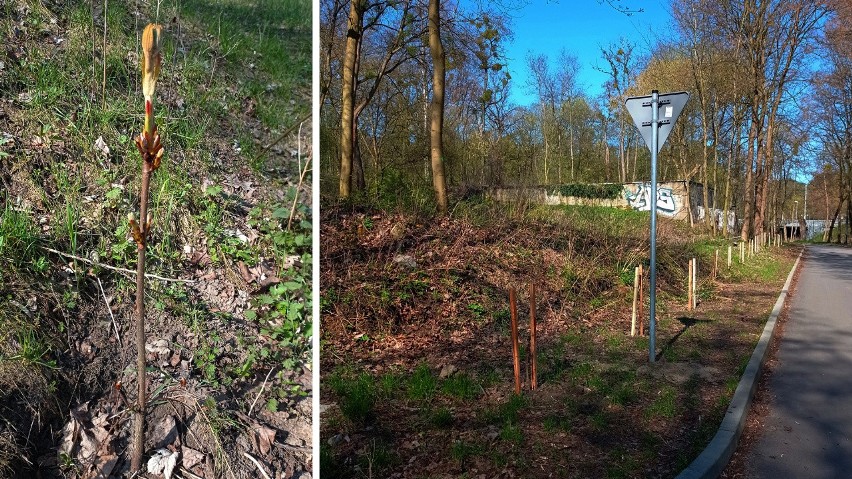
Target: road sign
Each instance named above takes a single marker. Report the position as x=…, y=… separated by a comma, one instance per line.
x=655, y=129
x=669, y=105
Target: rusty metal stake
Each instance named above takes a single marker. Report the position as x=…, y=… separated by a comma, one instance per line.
x=516, y=357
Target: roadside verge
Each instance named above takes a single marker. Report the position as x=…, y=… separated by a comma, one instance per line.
x=712, y=461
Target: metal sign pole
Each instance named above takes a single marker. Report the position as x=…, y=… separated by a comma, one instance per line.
x=655, y=135
x=655, y=132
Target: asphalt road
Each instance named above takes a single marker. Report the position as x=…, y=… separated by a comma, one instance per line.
x=808, y=429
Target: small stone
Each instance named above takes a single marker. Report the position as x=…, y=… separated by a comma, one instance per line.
x=406, y=261
x=337, y=439
x=447, y=371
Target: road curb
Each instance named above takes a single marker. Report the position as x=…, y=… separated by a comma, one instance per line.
x=713, y=460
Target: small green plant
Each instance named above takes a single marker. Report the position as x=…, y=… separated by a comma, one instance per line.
x=599, y=420
x=390, y=384
x=557, y=422
x=282, y=314
x=477, y=310
x=377, y=458
x=18, y=236
x=206, y=356
x=506, y=412
x=582, y=372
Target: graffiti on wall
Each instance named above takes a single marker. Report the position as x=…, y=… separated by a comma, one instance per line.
x=641, y=199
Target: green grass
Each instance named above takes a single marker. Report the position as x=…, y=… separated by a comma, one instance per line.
x=18, y=237
x=512, y=433
x=664, y=405
x=356, y=395
x=462, y=450
x=422, y=384
x=506, y=412
x=441, y=418
x=557, y=422
x=461, y=386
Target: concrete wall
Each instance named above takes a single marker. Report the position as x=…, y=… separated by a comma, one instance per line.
x=671, y=199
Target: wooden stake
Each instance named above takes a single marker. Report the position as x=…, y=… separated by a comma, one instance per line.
x=694, y=283
x=730, y=247
x=516, y=356
x=689, y=287
x=715, y=264
x=533, y=373
x=635, y=300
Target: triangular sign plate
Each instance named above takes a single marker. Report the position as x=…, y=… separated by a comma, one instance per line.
x=670, y=106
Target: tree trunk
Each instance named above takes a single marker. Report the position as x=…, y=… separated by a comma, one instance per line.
x=834, y=219
x=437, y=108
x=748, y=190
x=347, y=108
x=827, y=208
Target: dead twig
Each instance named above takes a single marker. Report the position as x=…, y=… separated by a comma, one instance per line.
x=190, y=474
x=114, y=268
x=293, y=128
x=106, y=303
x=256, y=463
x=296, y=196
x=262, y=387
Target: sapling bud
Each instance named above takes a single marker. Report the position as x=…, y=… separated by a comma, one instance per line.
x=151, y=61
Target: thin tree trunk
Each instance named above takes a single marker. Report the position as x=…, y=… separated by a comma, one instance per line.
x=347, y=113
x=748, y=189
x=571, y=137
x=827, y=207
x=437, y=107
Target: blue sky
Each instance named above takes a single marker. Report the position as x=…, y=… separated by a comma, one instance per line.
x=582, y=27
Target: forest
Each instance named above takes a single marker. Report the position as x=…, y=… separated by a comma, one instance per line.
x=415, y=107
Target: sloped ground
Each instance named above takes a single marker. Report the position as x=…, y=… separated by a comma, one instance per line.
x=417, y=370
x=228, y=327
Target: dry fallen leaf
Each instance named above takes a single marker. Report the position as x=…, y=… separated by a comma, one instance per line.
x=165, y=432
x=264, y=437
x=101, y=146
x=163, y=462
x=191, y=457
